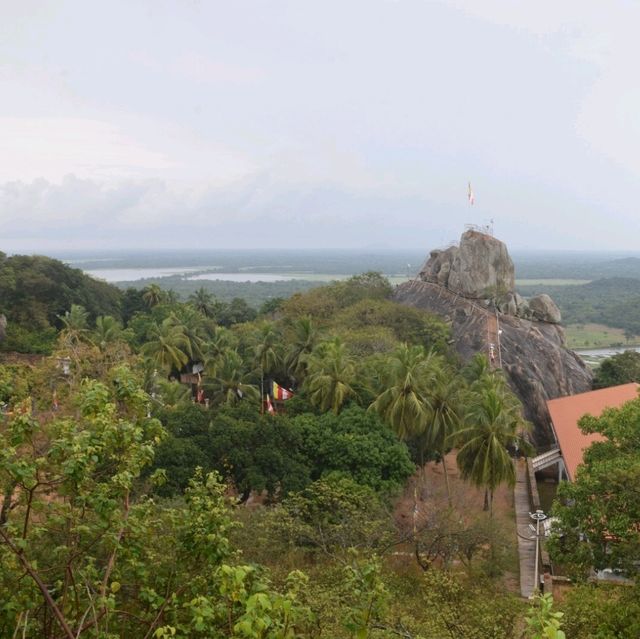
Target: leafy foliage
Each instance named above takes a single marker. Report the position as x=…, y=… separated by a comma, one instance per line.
x=594, y=611
x=36, y=291
x=598, y=513
x=619, y=369
x=280, y=455
x=543, y=622
x=612, y=301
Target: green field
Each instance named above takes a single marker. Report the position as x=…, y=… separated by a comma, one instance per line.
x=594, y=336
x=549, y=282
x=329, y=277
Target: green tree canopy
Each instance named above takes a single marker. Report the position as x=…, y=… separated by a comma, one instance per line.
x=618, y=369
x=493, y=423
x=331, y=376
x=598, y=513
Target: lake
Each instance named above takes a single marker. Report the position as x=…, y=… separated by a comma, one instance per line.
x=134, y=274
x=255, y=277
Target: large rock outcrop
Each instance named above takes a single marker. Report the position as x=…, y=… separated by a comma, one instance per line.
x=544, y=309
x=531, y=343
x=480, y=267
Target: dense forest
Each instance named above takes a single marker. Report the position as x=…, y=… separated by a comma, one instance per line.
x=577, y=266
x=255, y=294
x=613, y=302
x=326, y=468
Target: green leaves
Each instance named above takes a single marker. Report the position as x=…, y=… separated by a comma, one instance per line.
x=597, y=514
x=542, y=621
x=404, y=401
x=369, y=596
x=330, y=376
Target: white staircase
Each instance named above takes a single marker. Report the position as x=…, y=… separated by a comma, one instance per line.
x=544, y=460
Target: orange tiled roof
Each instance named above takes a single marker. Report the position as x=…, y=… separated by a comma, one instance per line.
x=566, y=411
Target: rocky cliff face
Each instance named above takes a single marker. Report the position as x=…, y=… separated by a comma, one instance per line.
x=479, y=300
x=480, y=267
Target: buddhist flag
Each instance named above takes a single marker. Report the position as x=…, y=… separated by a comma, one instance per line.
x=270, y=409
x=280, y=394
x=471, y=196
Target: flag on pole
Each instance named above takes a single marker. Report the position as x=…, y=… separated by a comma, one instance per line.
x=279, y=393
x=270, y=409
x=471, y=196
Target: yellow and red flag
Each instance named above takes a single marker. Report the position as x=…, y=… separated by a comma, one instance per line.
x=279, y=393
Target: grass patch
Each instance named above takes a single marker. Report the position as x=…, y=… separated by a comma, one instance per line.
x=594, y=336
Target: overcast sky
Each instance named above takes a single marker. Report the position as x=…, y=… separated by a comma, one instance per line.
x=324, y=123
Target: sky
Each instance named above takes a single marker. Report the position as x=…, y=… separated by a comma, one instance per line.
x=318, y=123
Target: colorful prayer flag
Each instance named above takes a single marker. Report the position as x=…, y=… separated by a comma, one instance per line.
x=270, y=409
x=279, y=393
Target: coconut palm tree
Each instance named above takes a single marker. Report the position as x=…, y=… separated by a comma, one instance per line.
x=305, y=337
x=75, y=325
x=446, y=411
x=173, y=394
x=171, y=297
x=331, y=375
x=107, y=331
x=153, y=295
x=477, y=369
x=404, y=401
x=267, y=350
x=493, y=423
x=192, y=325
x=203, y=302
x=167, y=346
x=231, y=383
x=219, y=341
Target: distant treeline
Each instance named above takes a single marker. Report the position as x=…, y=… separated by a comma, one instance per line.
x=255, y=294
x=614, y=302
x=579, y=267
x=533, y=265
x=312, y=261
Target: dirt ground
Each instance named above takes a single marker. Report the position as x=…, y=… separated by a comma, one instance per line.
x=466, y=499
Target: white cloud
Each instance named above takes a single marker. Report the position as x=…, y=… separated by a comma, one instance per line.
x=54, y=147
x=51, y=148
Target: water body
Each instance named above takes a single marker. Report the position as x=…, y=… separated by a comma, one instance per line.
x=249, y=277
x=135, y=274
x=593, y=357
x=601, y=353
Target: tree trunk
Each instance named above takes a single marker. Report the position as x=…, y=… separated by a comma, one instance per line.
x=446, y=479
x=423, y=475
x=486, y=500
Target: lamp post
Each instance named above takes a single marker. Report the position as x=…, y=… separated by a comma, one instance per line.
x=538, y=516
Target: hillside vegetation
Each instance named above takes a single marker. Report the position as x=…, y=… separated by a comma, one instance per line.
x=36, y=291
x=132, y=505
x=613, y=302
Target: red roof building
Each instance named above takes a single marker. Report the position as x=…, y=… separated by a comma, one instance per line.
x=566, y=411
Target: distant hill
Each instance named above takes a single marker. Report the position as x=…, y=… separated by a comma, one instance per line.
x=613, y=301
x=34, y=290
